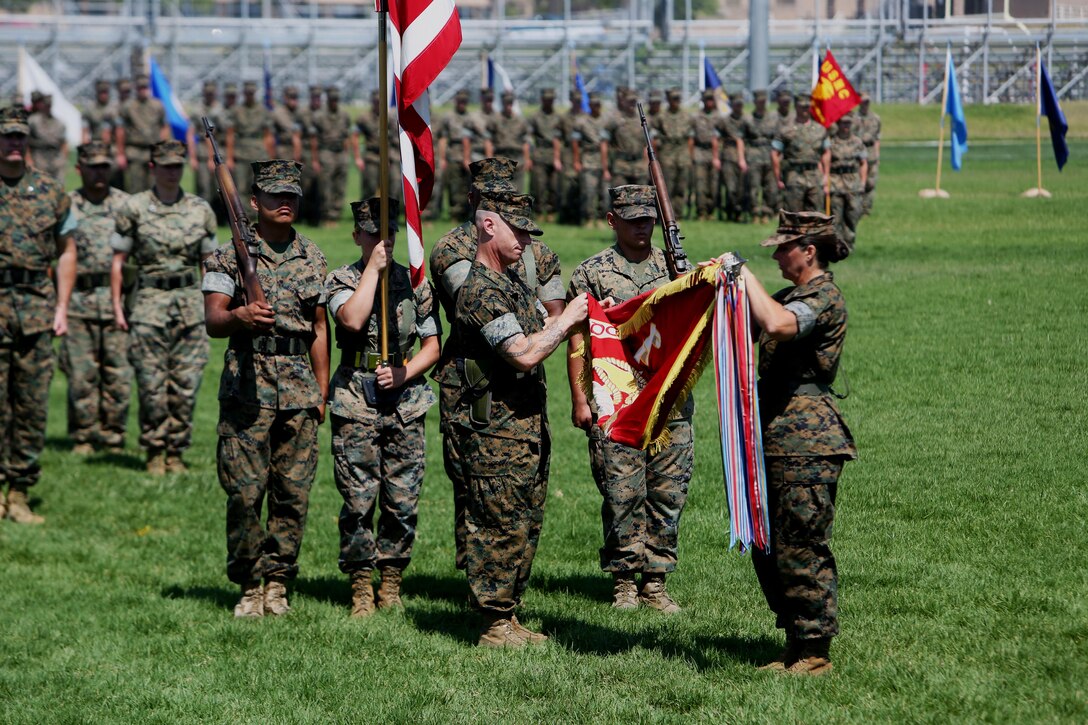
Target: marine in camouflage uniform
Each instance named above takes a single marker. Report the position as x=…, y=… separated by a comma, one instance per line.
x=48, y=147
x=200, y=154
x=672, y=134
x=570, y=187
x=545, y=138
x=367, y=148
x=36, y=228
x=763, y=189
x=100, y=118
x=331, y=128
x=867, y=127
x=734, y=129
x=482, y=126
x=286, y=128
x=311, y=182
x=510, y=135
x=249, y=136
x=271, y=397
x=94, y=353
x=625, y=145
x=849, y=166
x=644, y=493
x=165, y=232
x=379, y=445
x=141, y=123
x=453, y=155
x=450, y=262
x=705, y=155
x=804, y=149
x=587, y=138
x=805, y=439
x=503, y=416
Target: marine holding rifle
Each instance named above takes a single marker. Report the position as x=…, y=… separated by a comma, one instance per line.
x=378, y=408
x=274, y=384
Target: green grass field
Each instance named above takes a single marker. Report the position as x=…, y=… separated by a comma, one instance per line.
x=960, y=535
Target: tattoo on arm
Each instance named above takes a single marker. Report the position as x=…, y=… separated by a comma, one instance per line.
x=510, y=348
x=546, y=341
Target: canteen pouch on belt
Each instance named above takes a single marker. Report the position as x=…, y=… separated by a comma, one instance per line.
x=379, y=397
x=478, y=387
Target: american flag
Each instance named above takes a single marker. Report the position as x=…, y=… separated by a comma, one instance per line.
x=424, y=36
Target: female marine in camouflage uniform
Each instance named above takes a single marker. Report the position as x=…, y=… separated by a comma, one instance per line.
x=805, y=439
x=378, y=411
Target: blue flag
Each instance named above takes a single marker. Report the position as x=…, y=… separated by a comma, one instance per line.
x=269, y=103
x=580, y=85
x=1048, y=106
x=954, y=108
x=175, y=114
x=714, y=83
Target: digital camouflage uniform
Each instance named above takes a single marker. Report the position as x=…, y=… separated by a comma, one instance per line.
x=763, y=188
x=805, y=442
x=506, y=458
x=100, y=118
x=626, y=148
x=251, y=121
x=867, y=128
x=451, y=261
x=207, y=187
x=733, y=180
x=802, y=146
x=453, y=127
x=704, y=130
x=543, y=130
x=143, y=121
x=285, y=124
x=846, y=187
x=269, y=399
x=333, y=129
x=94, y=353
x=481, y=129
x=672, y=130
x=570, y=187
x=47, y=141
x=367, y=127
x=509, y=135
x=379, y=451
x=35, y=215
x=168, y=347
x=589, y=131
x=643, y=492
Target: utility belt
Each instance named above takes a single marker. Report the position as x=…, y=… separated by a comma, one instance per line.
x=337, y=148
x=758, y=144
x=169, y=281
x=12, y=276
x=369, y=360
x=87, y=281
x=848, y=169
x=804, y=167
x=629, y=156
x=511, y=152
x=869, y=144
x=476, y=388
x=811, y=390
x=270, y=344
x=702, y=145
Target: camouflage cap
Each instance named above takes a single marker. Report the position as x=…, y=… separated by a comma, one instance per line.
x=865, y=98
x=93, y=153
x=367, y=214
x=493, y=175
x=123, y=84
x=810, y=226
x=547, y=94
x=655, y=96
x=36, y=96
x=210, y=86
x=165, y=153
x=708, y=94
x=101, y=85
x=784, y=95
x=316, y=90
x=847, y=118
x=594, y=97
x=461, y=95
x=508, y=97
x=332, y=93
x=633, y=201
x=515, y=209
x=575, y=95
x=278, y=176
x=673, y=94
x=802, y=99
x=143, y=81
x=230, y=89
x=486, y=94
x=759, y=95
x=249, y=87
x=13, y=119
x=290, y=91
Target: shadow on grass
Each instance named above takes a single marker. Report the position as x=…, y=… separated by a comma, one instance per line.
x=337, y=589
x=121, y=459
x=222, y=597
x=594, y=587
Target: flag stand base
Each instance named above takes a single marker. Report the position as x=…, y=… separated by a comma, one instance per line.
x=933, y=194
x=1035, y=193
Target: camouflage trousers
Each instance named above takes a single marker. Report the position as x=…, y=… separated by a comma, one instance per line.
x=310, y=205
x=51, y=162
x=628, y=172
x=798, y=575
x=334, y=181
x=94, y=356
x=705, y=183
x=378, y=463
x=452, y=458
x=26, y=369
x=735, y=184
x=265, y=453
x=455, y=180
x=592, y=191
x=762, y=189
x=169, y=363
x=544, y=183
x=570, y=197
x=507, y=483
x=369, y=181
x=676, y=165
x=644, y=495
x=138, y=172
x=804, y=191
x=870, y=187
x=846, y=208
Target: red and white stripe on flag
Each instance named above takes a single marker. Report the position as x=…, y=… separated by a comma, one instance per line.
x=425, y=35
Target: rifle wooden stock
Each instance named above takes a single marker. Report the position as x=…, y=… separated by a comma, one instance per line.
x=245, y=244
x=676, y=259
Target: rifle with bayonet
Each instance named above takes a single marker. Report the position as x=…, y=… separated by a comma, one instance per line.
x=675, y=257
x=245, y=243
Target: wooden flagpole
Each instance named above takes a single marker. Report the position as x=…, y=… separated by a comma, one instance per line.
x=938, y=193
x=1038, y=191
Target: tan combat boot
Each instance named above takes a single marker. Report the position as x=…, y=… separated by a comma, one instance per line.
x=654, y=596
x=83, y=449
x=174, y=464
x=624, y=591
x=156, y=463
x=252, y=602
x=498, y=631
x=362, y=594
x=389, y=587
x=813, y=657
x=18, y=508
x=785, y=658
x=275, y=598
x=527, y=634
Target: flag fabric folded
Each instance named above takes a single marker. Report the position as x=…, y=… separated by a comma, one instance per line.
x=714, y=83
x=646, y=355
x=498, y=80
x=832, y=95
x=954, y=108
x=175, y=112
x=424, y=36
x=32, y=77
x=1049, y=107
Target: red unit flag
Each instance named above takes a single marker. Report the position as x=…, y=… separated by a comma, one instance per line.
x=833, y=96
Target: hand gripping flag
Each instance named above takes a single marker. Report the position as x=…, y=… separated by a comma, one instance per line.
x=424, y=36
x=175, y=112
x=833, y=96
x=954, y=108
x=1048, y=106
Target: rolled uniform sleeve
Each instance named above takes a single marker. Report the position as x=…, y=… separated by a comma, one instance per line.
x=549, y=275
x=427, y=322
x=501, y=329
x=218, y=275
x=806, y=318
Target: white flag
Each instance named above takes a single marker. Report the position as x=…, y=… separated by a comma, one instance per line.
x=33, y=78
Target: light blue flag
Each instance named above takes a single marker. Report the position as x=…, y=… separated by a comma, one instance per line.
x=580, y=84
x=954, y=108
x=175, y=114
